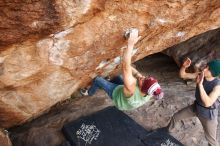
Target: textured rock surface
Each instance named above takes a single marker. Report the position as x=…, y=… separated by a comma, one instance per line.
x=46, y=130
x=50, y=48
x=200, y=49
x=4, y=139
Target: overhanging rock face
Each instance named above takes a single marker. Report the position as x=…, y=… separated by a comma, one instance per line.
x=51, y=48
x=200, y=49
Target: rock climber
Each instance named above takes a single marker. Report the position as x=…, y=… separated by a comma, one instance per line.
x=132, y=90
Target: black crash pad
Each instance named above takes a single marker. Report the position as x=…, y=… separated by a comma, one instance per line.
x=161, y=139
x=109, y=127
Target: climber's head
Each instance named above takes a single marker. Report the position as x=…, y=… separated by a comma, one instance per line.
x=150, y=86
x=212, y=69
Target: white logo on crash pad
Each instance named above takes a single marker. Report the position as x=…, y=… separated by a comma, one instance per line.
x=168, y=143
x=88, y=133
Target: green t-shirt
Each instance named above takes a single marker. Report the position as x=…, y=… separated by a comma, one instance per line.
x=128, y=103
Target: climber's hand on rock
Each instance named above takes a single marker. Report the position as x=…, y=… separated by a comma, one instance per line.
x=133, y=37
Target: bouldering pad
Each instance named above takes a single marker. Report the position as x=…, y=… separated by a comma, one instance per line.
x=160, y=139
x=108, y=127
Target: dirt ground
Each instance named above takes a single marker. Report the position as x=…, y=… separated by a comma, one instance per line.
x=45, y=130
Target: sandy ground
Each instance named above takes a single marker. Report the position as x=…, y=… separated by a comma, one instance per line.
x=45, y=130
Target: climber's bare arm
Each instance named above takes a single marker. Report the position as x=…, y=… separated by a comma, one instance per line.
x=183, y=74
x=136, y=73
x=207, y=99
x=129, y=79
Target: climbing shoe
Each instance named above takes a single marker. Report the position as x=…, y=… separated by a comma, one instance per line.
x=84, y=92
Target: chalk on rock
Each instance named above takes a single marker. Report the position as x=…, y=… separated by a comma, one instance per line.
x=130, y=30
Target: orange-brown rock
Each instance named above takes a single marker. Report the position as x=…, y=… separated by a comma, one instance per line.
x=4, y=139
x=51, y=48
